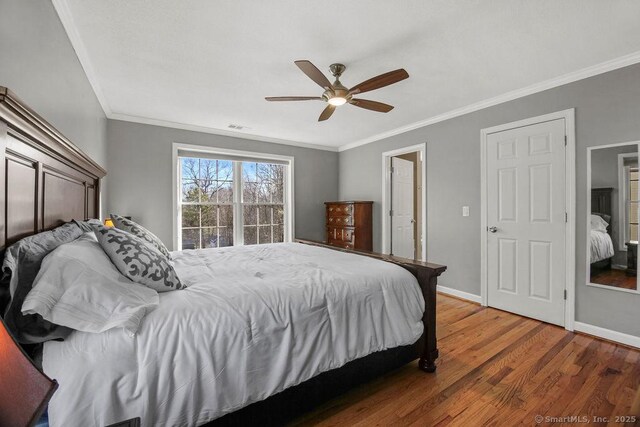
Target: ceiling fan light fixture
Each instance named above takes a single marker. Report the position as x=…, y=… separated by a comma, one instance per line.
x=337, y=94
x=337, y=101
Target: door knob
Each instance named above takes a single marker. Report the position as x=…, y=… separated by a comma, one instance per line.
x=493, y=229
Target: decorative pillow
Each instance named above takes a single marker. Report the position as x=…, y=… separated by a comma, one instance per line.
x=78, y=287
x=137, y=230
x=88, y=224
x=598, y=224
x=138, y=260
x=21, y=264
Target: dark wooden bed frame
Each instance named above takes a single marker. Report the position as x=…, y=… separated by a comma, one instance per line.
x=48, y=181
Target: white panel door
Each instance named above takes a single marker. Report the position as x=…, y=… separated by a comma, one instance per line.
x=402, y=221
x=526, y=220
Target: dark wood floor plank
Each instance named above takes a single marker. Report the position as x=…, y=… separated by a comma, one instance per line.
x=467, y=374
x=495, y=369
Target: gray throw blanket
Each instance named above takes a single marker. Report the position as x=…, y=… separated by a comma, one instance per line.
x=21, y=264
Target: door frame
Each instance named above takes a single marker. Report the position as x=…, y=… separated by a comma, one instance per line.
x=386, y=194
x=570, y=205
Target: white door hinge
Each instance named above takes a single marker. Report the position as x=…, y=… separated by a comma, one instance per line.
x=565, y=140
x=566, y=217
x=391, y=212
x=391, y=169
x=565, y=294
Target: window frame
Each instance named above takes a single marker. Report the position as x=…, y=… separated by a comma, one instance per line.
x=623, y=199
x=237, y=203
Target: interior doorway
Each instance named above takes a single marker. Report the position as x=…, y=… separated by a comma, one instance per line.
x=404, y=203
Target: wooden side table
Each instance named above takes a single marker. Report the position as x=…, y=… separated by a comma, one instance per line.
x=632, y=258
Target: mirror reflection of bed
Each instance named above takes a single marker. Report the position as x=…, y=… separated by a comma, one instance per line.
x=613, y=232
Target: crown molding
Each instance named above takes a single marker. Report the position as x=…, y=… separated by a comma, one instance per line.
x=215, y=131
x=584, y=73
x=66, y=17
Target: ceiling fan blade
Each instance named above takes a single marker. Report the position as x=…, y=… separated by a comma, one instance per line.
x=314, y=74
x=371, y=105
x=293, y=98
x=327, y=112
x=382, y=80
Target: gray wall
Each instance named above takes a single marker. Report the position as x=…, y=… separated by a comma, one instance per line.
x=607, y=111
x=38, y=63
x=140, y=173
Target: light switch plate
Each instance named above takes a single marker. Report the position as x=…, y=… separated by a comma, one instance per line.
x=465, y=211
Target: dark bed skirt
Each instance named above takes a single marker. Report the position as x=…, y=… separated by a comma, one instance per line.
x=298, y=400
x=599, y=266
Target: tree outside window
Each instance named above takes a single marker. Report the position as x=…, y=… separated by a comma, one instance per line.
x=208, y=204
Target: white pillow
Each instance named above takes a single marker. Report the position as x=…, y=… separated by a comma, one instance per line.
x=598, y=224
x=78, y=287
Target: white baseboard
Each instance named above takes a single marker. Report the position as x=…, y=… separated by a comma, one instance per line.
x=460, y=294
x=607, y=334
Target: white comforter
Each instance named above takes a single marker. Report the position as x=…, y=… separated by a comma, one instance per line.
x=254, y=321
x=601, y=246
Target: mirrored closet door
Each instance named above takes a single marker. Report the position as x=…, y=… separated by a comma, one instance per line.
x=612, y=240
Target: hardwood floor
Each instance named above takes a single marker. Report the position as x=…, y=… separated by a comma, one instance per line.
x=495, y=368
x=613, y=277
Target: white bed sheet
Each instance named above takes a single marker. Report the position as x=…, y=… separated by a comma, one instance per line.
x=601, y=246
x=254, y=321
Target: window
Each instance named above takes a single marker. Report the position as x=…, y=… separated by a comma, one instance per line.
x=628, y=200
x=206, y=203
x=262, y=203
x=226, y=200
x=632, y=204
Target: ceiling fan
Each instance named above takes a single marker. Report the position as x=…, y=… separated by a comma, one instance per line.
x=336, y=94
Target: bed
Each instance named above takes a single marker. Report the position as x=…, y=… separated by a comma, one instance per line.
x=601, y=244
x=308, y=321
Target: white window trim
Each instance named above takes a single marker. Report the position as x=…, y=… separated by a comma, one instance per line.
x=623, y=179
x=238, y=235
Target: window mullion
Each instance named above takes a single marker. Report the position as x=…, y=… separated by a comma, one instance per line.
x=238, y=221
x=287, y=233
x=179, y=215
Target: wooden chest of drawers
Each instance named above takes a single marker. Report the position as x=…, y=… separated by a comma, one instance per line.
x=349, y=224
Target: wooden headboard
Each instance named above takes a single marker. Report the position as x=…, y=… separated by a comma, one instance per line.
x=601, y=203
x=45, y=180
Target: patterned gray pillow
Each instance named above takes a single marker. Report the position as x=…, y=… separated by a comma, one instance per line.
x=137, y=260
x=136, y=229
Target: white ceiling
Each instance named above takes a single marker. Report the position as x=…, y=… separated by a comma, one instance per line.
x=211, y=64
